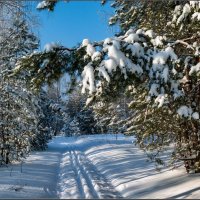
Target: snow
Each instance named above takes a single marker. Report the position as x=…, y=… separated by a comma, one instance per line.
x=185, y=13
x=153, y=90
x=109, y=64
x=195, y=115
x=165, y=74
x=42, y=5
x=132, y=53
x=37, y=179
x=175, y=90
x=174, y=71
x=181, y=13
x=196, y=15
x=160, y=67
x=184, y=111
x=88, y=78
x=195, y=68
x=195, y=3
x=136, y=49
x=186, y=9
x=103, y=72
x=90, y=50
x=85, y=42
x=129, y=32
x=94, y=166
x=160, y=99
x=177, y=12
x=158, y=41
x=160, y=58
x=133, y=37
x=114, y=53
x=170, y=53
x=96, y=56
x=50, y=46
x=150, y=33
x=140, y=31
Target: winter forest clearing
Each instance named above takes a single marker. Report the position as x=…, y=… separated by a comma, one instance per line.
x=94, y=166
x=91, y=110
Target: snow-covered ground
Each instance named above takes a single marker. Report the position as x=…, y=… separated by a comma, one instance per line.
x=101, y=166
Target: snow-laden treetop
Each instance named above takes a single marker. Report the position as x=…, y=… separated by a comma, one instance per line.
x=137, y=55
x=137, y=58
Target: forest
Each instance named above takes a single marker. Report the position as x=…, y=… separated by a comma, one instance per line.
x=141, y=83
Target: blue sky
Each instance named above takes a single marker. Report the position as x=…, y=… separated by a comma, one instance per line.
x=72, y=22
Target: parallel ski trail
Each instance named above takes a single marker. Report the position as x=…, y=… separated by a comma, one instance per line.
x=88, y=181
x=77, y=175
x=85, y=174
x=102, y=187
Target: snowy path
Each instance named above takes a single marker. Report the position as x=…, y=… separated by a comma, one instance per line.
x=93, y=167
x=63, y=171
x=88, y=181
x=36, y=178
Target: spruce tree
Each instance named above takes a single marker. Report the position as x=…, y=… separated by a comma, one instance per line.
x=22, y=119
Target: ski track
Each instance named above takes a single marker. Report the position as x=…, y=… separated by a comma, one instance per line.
x=88, y=182
x=93, y=168
x=62, y=171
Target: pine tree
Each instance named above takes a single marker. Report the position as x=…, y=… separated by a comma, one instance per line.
x=157, y=65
